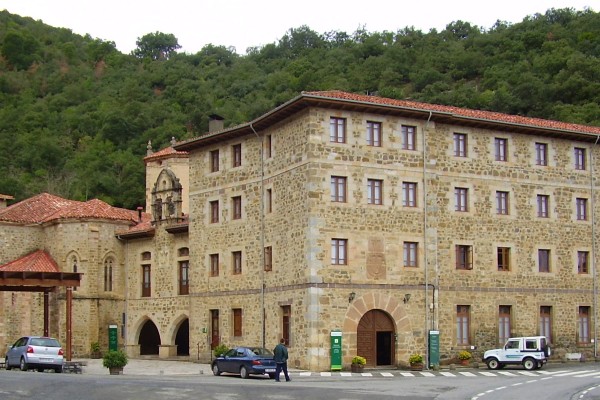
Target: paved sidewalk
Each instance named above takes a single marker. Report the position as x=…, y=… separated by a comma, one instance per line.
x=148, y=367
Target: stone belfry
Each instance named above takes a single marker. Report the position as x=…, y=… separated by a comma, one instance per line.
x=167, y=198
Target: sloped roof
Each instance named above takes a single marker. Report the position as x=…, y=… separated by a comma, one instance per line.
x=339, y=100
x=166, y=153
x=38, y=261
x=46, y=207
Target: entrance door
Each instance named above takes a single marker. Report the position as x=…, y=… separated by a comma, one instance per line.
x=375, y=335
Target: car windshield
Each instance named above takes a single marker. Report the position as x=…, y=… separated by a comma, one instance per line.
x=47, y=342
x=258, y=351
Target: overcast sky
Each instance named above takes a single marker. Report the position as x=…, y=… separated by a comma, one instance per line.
x=248, y=23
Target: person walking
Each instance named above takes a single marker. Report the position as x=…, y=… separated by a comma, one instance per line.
x=281, y=356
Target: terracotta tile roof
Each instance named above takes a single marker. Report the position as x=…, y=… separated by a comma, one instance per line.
x=457, y=111
x=165, y=153
x=38, y=261
x=46, y=207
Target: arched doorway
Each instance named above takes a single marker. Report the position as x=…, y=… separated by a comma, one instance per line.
x=149, y=339
x=375, y=338
x=182, y=339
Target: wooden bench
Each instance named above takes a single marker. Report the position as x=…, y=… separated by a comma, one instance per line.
x=74, y=367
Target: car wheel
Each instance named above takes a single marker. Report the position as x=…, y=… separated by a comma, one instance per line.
x=215, y=369
x=6, y=365
x=492, y=363
x=23, y=365
x=244, y=372
x=529, y=364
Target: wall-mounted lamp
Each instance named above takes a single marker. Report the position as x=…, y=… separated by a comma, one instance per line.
x=351, y=297
x=406, y=298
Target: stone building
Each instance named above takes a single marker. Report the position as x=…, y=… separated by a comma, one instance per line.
x=334, y=212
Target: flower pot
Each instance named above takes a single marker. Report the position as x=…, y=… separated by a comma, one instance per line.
x=465, y=362
x=116, y=370
x=416, y=367
x=357, y=367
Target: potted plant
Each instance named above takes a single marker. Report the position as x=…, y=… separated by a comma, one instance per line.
x=416, y=361
x=95, y=350
x=358, y=364
x=115, y=360
x=464, y=356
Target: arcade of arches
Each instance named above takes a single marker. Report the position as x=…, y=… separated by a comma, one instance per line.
x=149, y=339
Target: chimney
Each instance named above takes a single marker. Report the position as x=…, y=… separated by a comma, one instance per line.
x=4, y=198
x=215, y=123
x=139, y=210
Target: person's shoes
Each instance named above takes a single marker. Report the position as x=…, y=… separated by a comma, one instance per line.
x=277, y=380
x=288, y=379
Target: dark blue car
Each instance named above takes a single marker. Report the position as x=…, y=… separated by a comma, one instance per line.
x=245, y=361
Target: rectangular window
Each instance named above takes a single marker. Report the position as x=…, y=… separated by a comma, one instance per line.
x=236, y=205
x=579, y=158
x=583, y=261
x=501, y=149
x=464, y=257
x=214, y=212
x=108, y=275
x=214, y=265
x=374, y=133
x=581, y=206
x=546, y=322
x=286, y=323
x=461, y=199
x=184, y=277
x=338, y=189
x=337, y=130
x=503, y=324
x=460, y=145
x=236, y=151
x=409, y=194
x=339, y=249
x=410, y=254
x=214, y=161
x=541, y=154
x=543, y=205
x=502, y=203
x=268, y=258
x=236, y=259
x=146, y=285
x=374, y=191
x=237, y=322
x=583, y=325
x=269, y=201
x=269, y=146
x=408, y=137
x=462, y=325
x=503, y=258
x=544, y=260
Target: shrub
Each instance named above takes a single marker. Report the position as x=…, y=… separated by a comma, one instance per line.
x=464, y=355
x=95, y=347
x=358, y=360
x=114, y=359
x=220, y=350
x=415, y=359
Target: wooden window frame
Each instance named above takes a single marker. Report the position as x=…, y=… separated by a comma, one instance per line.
x=236, y=261
x=146, y=280
x=546, y=322
x=108, y=274
x=214, y=161
x=214, y=211
x=339, y=188
x=286, y=323
x=581, y=207
x=461, y=199
x=544, y=261
x=236, y=207
x=409, y=194
x=339, y=251
x=541, y=154
x=464, y=257
x=337, y=130
x=504, y=323
x=502, y=202
x=411, y=254
x=503, y=258
x=184, y=277
x=374, y=133
x=501, y=149
x=583, y=262
x=463, y=325
x=409, y=137
x=236, y=153
x=237, y=322
x=583, y=325
x=269, y=201
x=375, y=191
x=580, y=158
x=268, y=254
x=214, y=265
x=460, y=145
x=543, y=206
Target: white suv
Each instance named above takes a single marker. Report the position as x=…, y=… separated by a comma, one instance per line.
x=532, y=352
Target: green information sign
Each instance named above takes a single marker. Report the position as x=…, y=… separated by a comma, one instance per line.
x=336, y=350
x=113, y=338
x=434, y=348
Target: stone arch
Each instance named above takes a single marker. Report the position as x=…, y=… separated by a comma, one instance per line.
x=181, y=335
x=386, y=307
x=147, y=336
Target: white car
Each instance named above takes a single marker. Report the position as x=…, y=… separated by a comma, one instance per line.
x=36, y=352
x=532, y=352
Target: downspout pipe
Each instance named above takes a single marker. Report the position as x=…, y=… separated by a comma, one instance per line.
x=594, y=250
x=425, y=238
x=262, y=235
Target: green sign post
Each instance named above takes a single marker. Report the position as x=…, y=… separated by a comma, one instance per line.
x=434, y=349
x=336, y=350
x=113, y=338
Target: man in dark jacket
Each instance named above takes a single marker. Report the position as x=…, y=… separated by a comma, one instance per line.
x=281, y=355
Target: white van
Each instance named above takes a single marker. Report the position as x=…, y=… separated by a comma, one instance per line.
x=532, y=352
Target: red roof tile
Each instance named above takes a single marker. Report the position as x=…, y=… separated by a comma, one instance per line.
x=165, y=153
x=46, y=207
x=38, y=261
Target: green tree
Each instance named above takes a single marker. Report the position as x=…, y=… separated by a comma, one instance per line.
x=156, y=46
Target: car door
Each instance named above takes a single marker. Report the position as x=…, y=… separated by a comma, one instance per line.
x=14, y=353
x=228, y=361
x=512, y=351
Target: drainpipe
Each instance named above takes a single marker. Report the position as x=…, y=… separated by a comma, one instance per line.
x=262, y=235
x=595, y=294
x=425, y=243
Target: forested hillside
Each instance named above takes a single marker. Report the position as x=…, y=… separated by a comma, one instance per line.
x=76, y=114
